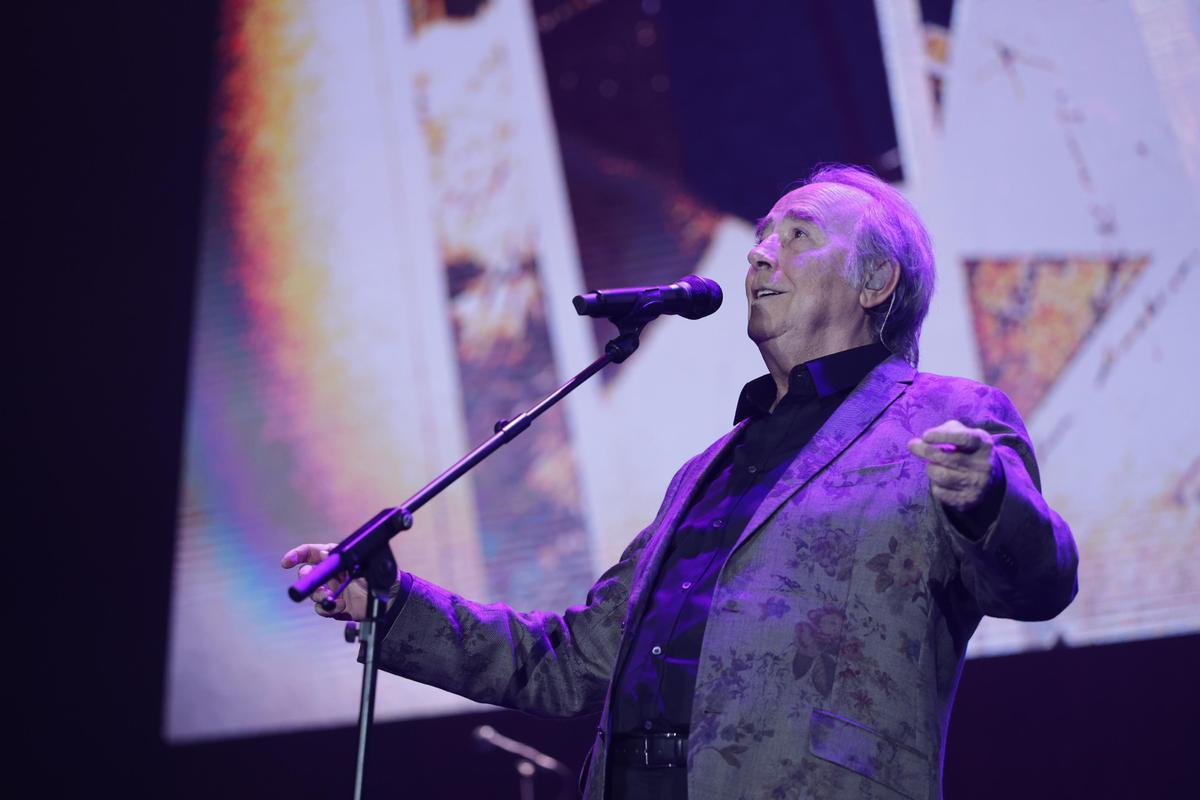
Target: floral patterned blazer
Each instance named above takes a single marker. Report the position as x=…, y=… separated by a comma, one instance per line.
x=839, y=621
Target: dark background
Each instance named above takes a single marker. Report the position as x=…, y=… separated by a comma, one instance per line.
x=109, y=163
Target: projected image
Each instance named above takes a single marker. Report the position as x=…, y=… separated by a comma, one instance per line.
x=403, y=198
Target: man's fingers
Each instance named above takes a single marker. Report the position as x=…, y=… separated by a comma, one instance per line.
x=937, y=454
x=948, y=497
x=947, y=478
x=957, y=461
x=328, y=586
x=325, y=590
x=338, y=608
x=306, y=554
x=336, y=581
x=966, y=440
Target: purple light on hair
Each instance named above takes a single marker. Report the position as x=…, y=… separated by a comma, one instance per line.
x=889, y=230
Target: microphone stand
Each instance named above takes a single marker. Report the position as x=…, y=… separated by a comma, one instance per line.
x=365, y=553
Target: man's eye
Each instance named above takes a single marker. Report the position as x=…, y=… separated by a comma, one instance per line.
x=798, y=232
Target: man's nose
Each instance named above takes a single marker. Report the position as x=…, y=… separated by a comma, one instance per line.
x=761, y=256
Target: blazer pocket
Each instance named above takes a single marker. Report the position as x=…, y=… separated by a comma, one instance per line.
x=867, y=752
x=873, y=469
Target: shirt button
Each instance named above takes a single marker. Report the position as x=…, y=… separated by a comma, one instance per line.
x=718, y=523
x=752, y=469
x=647, y=724
x=687, y=585
x=656, y=650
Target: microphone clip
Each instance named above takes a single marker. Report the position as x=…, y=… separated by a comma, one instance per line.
x=629, y=328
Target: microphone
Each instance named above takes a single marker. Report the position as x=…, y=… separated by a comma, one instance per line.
x=489, y=735
x=692, y=297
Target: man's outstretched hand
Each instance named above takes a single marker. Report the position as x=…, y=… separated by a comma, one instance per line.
x=352, y=604
x=960, y=463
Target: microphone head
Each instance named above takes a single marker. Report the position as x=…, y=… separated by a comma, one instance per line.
x=704, y=295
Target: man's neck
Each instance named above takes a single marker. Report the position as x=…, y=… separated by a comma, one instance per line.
x=781, y=357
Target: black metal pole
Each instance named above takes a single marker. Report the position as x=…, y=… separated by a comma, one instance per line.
x=368, y=633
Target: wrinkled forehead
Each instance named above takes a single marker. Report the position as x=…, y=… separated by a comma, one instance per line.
x=833, y=206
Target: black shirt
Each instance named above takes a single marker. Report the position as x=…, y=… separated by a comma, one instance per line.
x=654, y=688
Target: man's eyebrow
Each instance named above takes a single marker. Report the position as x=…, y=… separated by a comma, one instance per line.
x=803, y=216
x=761, y=226
x=793, y=213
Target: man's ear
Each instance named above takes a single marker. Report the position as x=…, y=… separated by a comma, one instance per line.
x=880, y=283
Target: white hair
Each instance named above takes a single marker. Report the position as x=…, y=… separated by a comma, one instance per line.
x=888, y=230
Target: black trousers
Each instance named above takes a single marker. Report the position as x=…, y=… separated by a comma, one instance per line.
x=639, y=783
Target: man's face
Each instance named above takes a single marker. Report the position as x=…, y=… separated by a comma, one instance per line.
x=794, y=286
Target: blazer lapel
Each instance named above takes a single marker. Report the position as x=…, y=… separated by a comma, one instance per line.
x=862, y=407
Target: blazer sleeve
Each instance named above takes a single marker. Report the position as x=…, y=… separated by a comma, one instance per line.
x=542, y=663
x=1024, y=566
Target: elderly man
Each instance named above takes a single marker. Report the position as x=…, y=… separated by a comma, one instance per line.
x=794, y=620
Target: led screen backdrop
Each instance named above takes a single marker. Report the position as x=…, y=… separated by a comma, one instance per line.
x=404, y=196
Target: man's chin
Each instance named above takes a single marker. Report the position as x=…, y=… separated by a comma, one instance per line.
x=758, y=332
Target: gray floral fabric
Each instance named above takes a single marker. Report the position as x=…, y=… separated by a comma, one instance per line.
x=839, y=621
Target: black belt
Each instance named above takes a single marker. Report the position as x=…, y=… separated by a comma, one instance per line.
x=649, y=750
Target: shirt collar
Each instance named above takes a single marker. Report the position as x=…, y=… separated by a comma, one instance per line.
x=820, y=377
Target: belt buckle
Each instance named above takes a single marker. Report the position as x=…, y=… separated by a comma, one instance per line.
x=662, y=740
